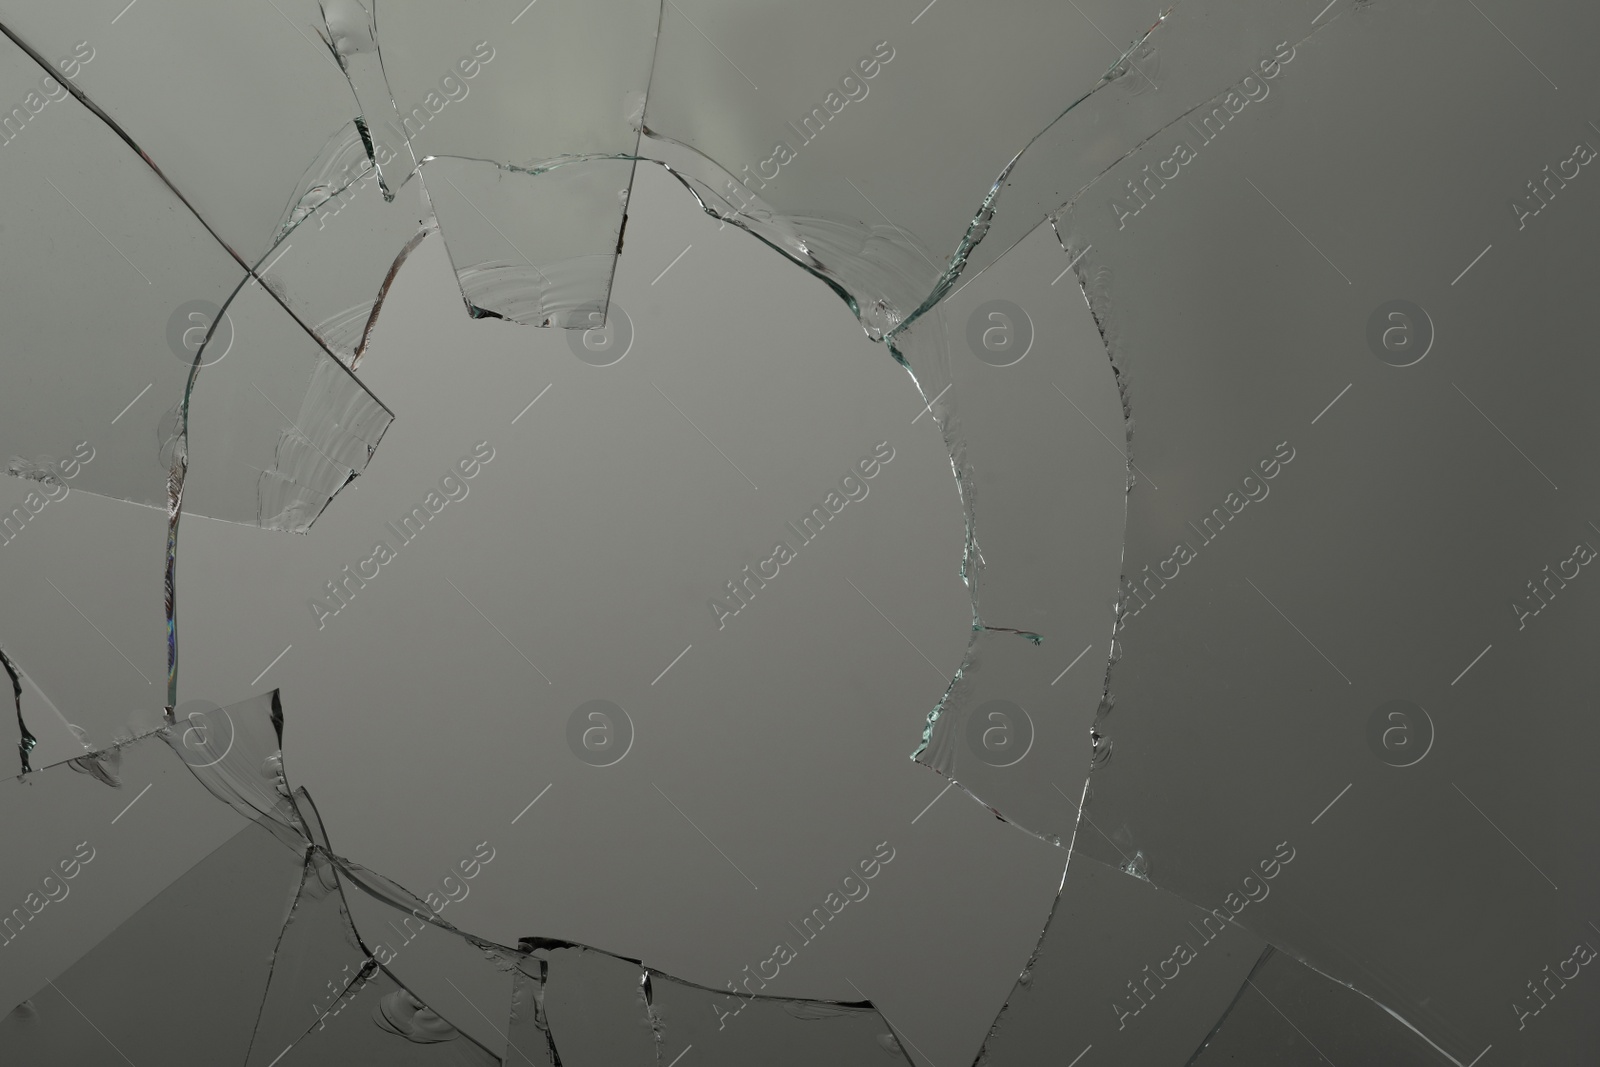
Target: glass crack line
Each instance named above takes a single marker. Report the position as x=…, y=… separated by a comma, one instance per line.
x=257, y=275
x=1108, y=440
x=490, y=1021
x=495, y=228
x=912, y=244
x=1071, y=844
x=303, y=436
x=1288, y=1020
x=932, y=402
x=1085, y=817
x=325, y=53
x=1113, y=44
x=897, y=1031
x=69, y=1000
x=1063, y=274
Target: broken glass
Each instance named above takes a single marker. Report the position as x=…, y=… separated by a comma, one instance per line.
x=597, y=779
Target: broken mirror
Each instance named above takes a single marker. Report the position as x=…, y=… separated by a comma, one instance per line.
x=711, y=533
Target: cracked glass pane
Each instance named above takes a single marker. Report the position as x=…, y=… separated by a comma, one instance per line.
x=914, y=533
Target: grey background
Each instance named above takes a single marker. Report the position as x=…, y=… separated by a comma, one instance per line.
x=592, y=542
